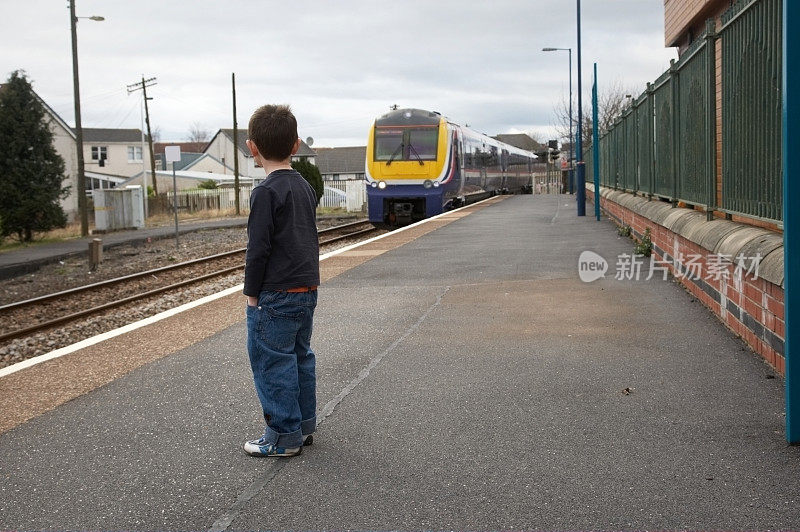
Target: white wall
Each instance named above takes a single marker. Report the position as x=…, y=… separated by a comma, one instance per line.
x=222, y=148
x=117, y=162
x=65, y=146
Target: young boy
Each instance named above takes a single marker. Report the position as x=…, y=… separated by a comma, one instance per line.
x=280, y=281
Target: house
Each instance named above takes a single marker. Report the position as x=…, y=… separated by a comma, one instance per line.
x=221, y=148
x=342, y=163
x=190, y=151
x=117, y=152
x=187, y=179
x=685, y=20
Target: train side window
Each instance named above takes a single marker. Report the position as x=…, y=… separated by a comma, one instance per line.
x=494, y=160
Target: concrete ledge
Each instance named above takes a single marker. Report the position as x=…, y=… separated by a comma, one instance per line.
x=721, y=237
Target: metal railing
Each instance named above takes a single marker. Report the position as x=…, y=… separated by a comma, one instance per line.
x=665, y=144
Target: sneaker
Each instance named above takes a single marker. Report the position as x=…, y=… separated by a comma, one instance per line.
x=308, y=439
x=260, y=447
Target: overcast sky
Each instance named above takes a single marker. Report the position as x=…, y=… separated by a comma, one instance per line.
x=338, y=63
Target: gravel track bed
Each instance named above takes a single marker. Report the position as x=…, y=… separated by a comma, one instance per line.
x=45, y=341
x=64, y=306
x=131, y=258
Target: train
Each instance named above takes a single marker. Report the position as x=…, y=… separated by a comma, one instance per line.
x=420, y=164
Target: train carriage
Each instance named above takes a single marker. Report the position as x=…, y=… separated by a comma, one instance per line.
x=419, y=164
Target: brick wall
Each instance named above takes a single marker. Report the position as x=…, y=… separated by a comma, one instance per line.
x=751, y=307
x=684, y=16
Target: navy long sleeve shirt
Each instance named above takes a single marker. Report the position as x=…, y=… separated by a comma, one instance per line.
x=282, y=245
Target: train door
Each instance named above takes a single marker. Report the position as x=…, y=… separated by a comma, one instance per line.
x=504, y=170
x=482, y=159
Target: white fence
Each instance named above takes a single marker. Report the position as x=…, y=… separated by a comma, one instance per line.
x=349, y=195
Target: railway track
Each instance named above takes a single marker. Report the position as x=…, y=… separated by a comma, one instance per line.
x=25, y=318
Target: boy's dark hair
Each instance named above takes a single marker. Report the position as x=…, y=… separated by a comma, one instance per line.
x=273, y=129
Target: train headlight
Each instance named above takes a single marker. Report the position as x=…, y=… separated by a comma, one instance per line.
x=427, y=184
x=436, y=184
x=382, y=185
x=374, y=184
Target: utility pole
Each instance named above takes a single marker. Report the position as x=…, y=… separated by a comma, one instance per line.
x=235, y=146
x=82, y=207
x=143, y=86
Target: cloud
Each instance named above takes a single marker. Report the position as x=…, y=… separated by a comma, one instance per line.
x=339, y=63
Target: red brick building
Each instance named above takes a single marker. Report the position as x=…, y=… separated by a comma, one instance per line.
x=685, y=20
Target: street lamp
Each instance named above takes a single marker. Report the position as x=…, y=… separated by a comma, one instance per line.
x=580, y=182
x=73, y=20
x=571, y=138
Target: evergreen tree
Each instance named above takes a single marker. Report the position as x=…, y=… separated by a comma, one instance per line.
x=31, y=172
x=311, y=174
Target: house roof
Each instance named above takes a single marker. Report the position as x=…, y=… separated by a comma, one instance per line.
x=91, y=134
x=519, y=140
x=204, y=156
x=304, y=151
x=186, y=147
x=348, y=160
x=221, y=179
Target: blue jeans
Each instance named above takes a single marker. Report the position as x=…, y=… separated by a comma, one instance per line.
x=283, y=364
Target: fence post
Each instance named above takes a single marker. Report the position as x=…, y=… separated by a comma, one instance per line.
x=636, y=160
x=674, y=83
x=624, y=125
x=711, y=116
x=651, y=137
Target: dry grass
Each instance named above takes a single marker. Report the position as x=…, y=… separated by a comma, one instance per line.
x=56, y=235
x=158, y=220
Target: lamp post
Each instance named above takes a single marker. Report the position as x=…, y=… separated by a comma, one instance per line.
x=571, y=138
x=82, y=210
x=580, y=182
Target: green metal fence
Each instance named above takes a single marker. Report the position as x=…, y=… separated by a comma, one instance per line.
x=665, y=144
x=751, y=109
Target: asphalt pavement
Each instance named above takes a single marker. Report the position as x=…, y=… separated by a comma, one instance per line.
x=467, y=380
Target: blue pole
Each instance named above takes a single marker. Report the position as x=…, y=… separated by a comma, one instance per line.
x=791, y=215
x=595, y=148
x=571, y=139
x=580, y=184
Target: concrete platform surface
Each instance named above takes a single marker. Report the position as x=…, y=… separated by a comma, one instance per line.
x=467, y=380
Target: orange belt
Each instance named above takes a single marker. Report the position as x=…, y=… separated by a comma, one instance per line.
x=301, y=289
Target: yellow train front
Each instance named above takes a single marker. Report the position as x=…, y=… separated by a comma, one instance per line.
x=419, y=165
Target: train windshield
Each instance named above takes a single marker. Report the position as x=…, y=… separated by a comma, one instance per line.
x=406, y=144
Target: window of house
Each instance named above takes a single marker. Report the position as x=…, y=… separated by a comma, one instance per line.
x=134, y=154
x=99, y=152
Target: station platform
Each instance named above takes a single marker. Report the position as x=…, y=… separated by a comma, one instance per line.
x=467, y=379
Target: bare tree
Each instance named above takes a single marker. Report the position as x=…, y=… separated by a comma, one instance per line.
x=198, y=133
x=157, y=134
x=612, y=101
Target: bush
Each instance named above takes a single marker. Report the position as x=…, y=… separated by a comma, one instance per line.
x=31, y=171
x=645, y=247
x=208, y=184
x=311, y=174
